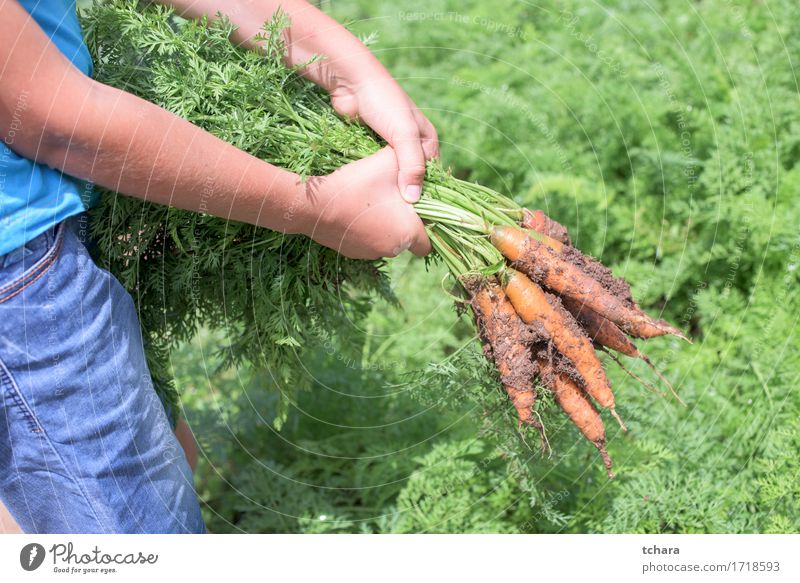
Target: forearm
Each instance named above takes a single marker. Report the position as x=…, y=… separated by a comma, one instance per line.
x=119, y=141
x=311, y=33
x=127, y=144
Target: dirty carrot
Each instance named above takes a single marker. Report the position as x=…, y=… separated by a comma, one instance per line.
x=601, y=330
x=543, y=265
x=541, y=223
x=608, y=335
x=533, y=306
x=577, y=406
x=506, y=342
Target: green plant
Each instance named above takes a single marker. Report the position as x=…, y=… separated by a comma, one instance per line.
x=276, y=294
x=705, y=233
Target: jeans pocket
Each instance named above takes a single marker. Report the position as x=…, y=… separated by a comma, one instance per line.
x=35, y=258
x=10, y=394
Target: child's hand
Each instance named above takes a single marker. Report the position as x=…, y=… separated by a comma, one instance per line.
x=376, y=99
x=358, y=212
x=360, y=209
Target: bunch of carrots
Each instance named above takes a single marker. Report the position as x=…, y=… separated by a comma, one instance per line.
x=542, y=308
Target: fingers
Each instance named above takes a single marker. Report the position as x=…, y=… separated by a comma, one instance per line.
x=420, y=244
x=416, y=238
x=411, y=164
x=363, y=216
x=413, y=148
x=428, y=136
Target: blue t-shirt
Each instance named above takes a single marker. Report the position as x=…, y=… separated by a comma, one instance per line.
x=34, y=197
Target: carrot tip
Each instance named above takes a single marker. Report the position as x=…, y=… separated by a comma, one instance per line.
x=601, y=447
x=630, y=373
x=673, y=331
x=616, y=416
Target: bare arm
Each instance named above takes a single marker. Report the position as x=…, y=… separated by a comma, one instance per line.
x=98, y=133
x=360, y=86
x=312, y=33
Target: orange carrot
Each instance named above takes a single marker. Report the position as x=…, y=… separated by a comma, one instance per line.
x=554, y=244
x=505, y=342
x=591, y=266
x=601, y=330
x=540, y=222
x=543, y=265
x=533, y=306
x=579, y=408
x=607, y=334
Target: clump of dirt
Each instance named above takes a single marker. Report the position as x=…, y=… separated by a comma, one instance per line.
x=544, y=351
x=537, y=270
x=506, y=338
x=533, y=269
x=599, y=272
x=507, y=341
x=540, y=222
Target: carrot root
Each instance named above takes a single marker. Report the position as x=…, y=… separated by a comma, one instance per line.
x=601, y=447
x=540, y=222
x=633, y=375
x=534, y=307
x=663, y=378
x=506, y=342
x=543, y=265
x=616, y=416
x=575, y=403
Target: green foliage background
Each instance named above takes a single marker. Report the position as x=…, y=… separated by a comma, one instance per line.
x=666, y=136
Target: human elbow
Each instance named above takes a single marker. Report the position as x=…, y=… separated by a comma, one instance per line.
x=45, y=128
x=12, y=115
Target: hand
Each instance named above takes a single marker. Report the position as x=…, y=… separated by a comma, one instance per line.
x=377, y=100
x=360, y=86
x=358, y=212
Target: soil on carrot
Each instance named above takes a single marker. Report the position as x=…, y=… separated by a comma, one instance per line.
x=602, y=274
x=563, y=365
x=505, y=337
x=545, y=351
x=552, y=369
x=534, y=270
x=538, y=221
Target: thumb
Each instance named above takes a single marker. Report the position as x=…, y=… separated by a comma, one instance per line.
x=420, y=244
x=411, y=163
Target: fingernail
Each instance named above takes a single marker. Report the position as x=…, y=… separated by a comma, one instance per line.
x=413, y=192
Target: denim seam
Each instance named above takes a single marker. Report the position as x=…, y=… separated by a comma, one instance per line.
x=38, y=270
x=12, y=391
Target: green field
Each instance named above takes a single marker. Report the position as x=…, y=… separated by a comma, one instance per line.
x=665, y=136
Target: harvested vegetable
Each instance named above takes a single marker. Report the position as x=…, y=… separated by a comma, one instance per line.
x=541, y=223
x=577, y=406
x=606, y=334
x=279, y=295
x=535, y=307
x=507, y=341
x=540, y=263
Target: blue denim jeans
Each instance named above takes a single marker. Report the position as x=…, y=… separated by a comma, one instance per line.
x=85, y=443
